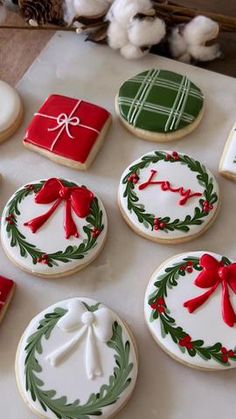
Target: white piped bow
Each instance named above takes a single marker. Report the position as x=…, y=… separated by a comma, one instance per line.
x=94, y=325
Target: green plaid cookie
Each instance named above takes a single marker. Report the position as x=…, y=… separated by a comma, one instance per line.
x=160, y=101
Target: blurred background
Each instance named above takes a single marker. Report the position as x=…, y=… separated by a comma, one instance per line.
x=19, y=48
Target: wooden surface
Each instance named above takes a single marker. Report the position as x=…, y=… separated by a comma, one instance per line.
x=18, y=49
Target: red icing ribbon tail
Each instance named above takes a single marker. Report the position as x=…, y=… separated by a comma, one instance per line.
x=69, y=224
x=195, y=303
x=37, y=222
x=228, y=313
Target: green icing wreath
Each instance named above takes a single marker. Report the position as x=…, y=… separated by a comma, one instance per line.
x=94, y=220
x=108, y=393
x=165, y=223
x=180, y=337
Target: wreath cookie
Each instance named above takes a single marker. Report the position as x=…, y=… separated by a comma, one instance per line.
x=168, y=197
x=76, y=360
x=53, y=227
x=11, y=111
x=190, y=309
x=160, y=105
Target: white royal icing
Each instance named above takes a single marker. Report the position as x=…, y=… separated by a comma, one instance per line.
x=94, y=326
x=10, y=106
x=89, y=332
x=228, y=162
x=166, y=203
x=205, y=323
x=50, y=237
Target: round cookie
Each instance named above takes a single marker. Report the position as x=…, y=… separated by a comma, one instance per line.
x=53, y=227
x=160, y=105
x=168, y=197
x=76, y=359
x=11, y=111
x=189, y=309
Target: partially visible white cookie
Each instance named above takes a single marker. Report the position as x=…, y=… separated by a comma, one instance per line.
x=227, y=166
x=190, y=309
x=77, y=359
x=11, y=111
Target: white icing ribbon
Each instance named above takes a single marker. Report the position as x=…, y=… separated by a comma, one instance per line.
x=64, y=121
x=92, y=325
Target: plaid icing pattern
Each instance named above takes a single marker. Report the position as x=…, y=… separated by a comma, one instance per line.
x=160, y=101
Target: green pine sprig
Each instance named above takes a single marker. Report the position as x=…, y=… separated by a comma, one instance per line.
x=108, y=393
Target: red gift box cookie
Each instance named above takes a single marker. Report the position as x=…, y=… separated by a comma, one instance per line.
x=7, y=287
x=68, y=131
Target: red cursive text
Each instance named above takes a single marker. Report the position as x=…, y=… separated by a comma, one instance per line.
x=185, y=194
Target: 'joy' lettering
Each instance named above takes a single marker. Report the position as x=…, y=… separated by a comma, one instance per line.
x=185, y=194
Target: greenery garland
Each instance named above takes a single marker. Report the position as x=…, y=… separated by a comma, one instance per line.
x=94, y=221
x=148, y=220
x=108, y=393
x=168, y=325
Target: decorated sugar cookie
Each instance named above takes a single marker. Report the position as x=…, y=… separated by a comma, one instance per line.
x=160, y=105
x=168, y=197
x=190, y=309
x=68, y=131
x=53, y=227
x=228, y=161
x=76, y=359
x=7, y=287
x=11, y=111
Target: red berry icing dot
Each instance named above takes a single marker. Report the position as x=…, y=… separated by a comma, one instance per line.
x=175, y=155
x=133, y=178
x=96, y=232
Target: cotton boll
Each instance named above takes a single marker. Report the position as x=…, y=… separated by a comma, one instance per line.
x=148, y=31
x=85, y=8
x=188, y=41
x=123, y=10
x=177, y=43
x=205, y=53
x=132, y=52
x=200, y=30
x=117, y=35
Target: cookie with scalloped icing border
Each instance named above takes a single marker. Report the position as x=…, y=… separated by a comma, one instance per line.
x=186, y=295
x=76, y=359
x=168, y=197
x=54, y=227
x=159, y=105
x=11, y=111
x=227, y=166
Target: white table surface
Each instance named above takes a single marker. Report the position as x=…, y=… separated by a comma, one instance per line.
x=165, y=389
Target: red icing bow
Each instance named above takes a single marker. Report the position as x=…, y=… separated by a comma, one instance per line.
x=78, y=199
x=213, y=274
